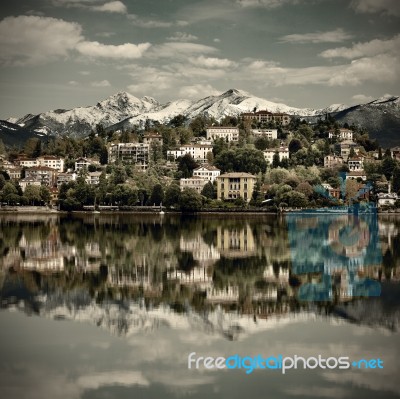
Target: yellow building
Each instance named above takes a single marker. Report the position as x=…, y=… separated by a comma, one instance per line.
x=235, y=185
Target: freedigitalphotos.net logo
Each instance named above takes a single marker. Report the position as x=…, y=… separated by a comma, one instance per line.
x=280, y=362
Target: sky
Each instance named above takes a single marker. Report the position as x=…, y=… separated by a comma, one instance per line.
x=59, y=54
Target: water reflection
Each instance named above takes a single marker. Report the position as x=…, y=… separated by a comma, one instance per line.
x=174, y=285
x=260, y=267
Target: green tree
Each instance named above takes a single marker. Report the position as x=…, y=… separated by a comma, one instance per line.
x=396, y=179
x=45, y=195
x=32, y=194
x=172, y=195
x=388, y=165
x=294, y=146
x=157, y=195
x=275, y=160
x=178, y=121
x=190, y=200
x=209, y=191
x=186, y=165
x=9, y=193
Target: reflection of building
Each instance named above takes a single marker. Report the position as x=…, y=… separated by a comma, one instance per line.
x=202, y=252
x=196, y=275
x=268, y=294
x=235, y=185
x=281, y=277
x=236, y=241
x=226, y=294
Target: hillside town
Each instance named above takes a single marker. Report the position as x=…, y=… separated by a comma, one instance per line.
x=260, y=160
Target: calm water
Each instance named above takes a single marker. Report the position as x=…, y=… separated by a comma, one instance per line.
x=111, y=306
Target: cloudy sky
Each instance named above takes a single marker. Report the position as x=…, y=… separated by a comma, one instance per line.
x=305, y=53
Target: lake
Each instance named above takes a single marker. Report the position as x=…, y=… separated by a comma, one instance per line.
x=120, y=305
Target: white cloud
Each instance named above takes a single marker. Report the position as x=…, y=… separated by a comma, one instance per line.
x=361, y=99
x=120, y=377
x=182, y=37
x=122, y=51
x=73, y=83
x=334, y=36
x=101, y=83
x=154, y=23
x=216, y=40
x=209, y=62
x=105, y=34
x=179, y=49
x=112, y=6
x=388, y=7
x=265, y=3
x=33, y=40
x=198, y=91
x=372, y=48
x=85, y=73
x=260, y=64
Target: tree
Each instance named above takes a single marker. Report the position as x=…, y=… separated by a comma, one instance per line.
x=186, y=165
x=245, y=160
x=190, y=200
x=275, y=160
x=209, y=191
x=9, y=193
x=261, y=143
x=178, y=121
x=294, y=146
x=388, y=165
x=45, y=194
x=32, y=194
x=104, y=156
x=157, y=195
x=396, y=179
x=172, y=195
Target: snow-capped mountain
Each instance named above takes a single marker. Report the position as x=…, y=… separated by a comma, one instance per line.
x=124, y=111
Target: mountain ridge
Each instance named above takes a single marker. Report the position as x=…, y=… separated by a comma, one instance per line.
x=123, y=110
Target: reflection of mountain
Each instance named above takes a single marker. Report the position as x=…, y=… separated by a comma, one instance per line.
x=220, y=275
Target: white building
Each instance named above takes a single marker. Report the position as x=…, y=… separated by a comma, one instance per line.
x=387, y=199
x=65, y=178
x=207, y=172
x=51, y=162
x=356, y=175
x=270, y=134
x=134, y=153
x=356, y=164
x=196, y=183
x=82, y=163
x=197, y=151
x=342, y=134
x=28, y=181
x=269, y=153
x=93, y=178
x=227, y=133
x=28, y=162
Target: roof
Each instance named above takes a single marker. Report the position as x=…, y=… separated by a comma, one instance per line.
x=208, y=167
x=47, y=168
x=280, y=149
x=356, y=173
x=223, y=127
x=236, y=174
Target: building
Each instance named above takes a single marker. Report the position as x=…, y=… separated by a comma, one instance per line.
x=27, y=162
x=82, y=163
x=332, y=161
x=235, y=185
x=52, y=162
x=356, y=175
x=43, y=174
x=356, y=164
x=133, y=153
x=269, y=153
x=150, y=138
x=226, y=133
x=341, y=134
x=345, y=148
x=197, y=151
x=333, y=192
x=93, y=178
x=65, y=178
x=14, y=172
x=270, y=134
x=196, y=183
x=28, y=181
x=266, y=116
x=395, y=153
x=207, y=172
